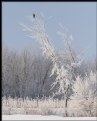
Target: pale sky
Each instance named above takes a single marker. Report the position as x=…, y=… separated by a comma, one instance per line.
x=79, y=18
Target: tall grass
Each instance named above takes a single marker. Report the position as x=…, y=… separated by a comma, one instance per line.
x=32, y=103
x=46, y=106
x=31, y=106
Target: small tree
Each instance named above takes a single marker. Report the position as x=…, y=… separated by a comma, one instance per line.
x=83, y=100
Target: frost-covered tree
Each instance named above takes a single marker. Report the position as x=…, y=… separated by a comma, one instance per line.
x=83, y=100
x=38, y=32
x=64, y=74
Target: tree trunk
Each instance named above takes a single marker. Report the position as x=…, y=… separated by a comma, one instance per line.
x=66, y=101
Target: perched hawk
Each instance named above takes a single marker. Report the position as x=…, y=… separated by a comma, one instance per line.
x=33, y=15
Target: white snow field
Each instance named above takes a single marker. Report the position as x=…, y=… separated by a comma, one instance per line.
x=41, y=117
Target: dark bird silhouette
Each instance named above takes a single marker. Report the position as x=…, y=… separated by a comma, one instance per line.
x=33, y=15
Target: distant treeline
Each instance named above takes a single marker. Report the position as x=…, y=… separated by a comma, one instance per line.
x=27, y=74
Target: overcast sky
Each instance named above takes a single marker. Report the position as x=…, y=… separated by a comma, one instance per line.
x=78, y=18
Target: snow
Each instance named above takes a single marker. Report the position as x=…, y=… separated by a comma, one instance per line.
x=41, y=117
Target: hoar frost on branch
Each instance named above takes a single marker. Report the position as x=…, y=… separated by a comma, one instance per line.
x=67, y=41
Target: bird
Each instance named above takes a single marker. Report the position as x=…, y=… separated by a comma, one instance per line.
x=33, y=15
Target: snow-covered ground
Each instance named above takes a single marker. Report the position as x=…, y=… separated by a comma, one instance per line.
x=41, y=117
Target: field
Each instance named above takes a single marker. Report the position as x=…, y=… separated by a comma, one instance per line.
x=40, y=117
x=27, y=109
x=44, y=107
